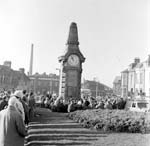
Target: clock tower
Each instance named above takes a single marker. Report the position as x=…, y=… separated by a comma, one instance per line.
x=71, y=67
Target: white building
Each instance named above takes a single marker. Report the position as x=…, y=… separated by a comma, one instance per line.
x=135, y=79
x=147, y=76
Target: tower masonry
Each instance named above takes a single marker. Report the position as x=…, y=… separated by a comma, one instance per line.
x=71, y=67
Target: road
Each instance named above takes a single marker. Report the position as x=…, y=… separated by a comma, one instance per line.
x=55, y=129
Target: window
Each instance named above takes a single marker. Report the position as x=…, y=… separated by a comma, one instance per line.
x=141, y=78
x=142, y=105
x=50, y=83
x=136, y=78
x=131, y=80
x=56, y=84
x=133, y=104
x=124, y=91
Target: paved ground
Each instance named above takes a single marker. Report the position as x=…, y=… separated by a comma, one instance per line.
x=55, y=129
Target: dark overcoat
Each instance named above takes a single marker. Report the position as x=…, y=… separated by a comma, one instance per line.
x=3, y=104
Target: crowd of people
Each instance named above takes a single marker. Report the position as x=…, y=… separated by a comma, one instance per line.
x=104, y=102
x=16, y=111
x=58, y=104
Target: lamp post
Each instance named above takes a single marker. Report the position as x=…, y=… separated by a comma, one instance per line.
x=59, y=91
x=96, y=85
x=96, y=88
x=50, y=86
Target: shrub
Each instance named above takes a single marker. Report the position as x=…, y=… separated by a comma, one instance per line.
x=113, y=120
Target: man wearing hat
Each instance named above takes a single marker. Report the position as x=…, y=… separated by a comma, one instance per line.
x=11, y=126
x=18, y=95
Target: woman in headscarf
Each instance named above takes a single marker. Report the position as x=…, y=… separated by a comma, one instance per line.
x=11, y=125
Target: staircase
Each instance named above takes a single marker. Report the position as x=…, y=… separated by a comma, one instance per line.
x=55, y=129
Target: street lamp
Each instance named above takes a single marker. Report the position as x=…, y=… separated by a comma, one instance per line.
x=50, y=86
x=96, y=88
x=96, y=84
x=59, y=92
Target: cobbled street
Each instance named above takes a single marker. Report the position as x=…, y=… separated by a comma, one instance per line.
x=55, y=129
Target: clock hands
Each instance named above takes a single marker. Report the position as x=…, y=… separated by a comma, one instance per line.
x=72, y=58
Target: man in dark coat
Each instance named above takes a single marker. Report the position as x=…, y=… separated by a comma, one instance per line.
x=12, y=127
x=3, y=102
x=26, y=110
x=31, y=104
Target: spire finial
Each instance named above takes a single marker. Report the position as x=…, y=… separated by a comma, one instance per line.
x=73, y=34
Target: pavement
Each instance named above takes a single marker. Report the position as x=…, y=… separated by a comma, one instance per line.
x=56, y=129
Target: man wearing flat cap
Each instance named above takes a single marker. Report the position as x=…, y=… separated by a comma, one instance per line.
x=12, y=127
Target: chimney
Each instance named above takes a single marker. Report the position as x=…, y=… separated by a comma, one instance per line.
x=73, y=35
x=22, y=70
x=8, y=64
x=31, y=61
x=137, y=60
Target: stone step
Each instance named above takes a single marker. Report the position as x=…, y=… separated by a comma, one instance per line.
x=62, y=131
x=40, y=137
x=56, y=143
x=60, y=125
x=65, y=135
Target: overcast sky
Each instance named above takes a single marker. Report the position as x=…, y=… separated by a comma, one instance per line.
x=111, y=34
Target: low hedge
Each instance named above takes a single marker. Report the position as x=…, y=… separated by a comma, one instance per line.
x=113, y=120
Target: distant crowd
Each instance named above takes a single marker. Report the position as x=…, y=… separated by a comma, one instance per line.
x=58, y=104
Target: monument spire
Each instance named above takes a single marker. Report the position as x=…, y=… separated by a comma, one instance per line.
x=73, y=34
x=31, y=61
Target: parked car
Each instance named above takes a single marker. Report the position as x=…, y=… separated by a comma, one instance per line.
x=138, y=105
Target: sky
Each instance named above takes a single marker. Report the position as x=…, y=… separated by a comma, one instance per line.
x=111, y=34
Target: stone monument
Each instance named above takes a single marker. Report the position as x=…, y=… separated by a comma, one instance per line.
x=71, y=67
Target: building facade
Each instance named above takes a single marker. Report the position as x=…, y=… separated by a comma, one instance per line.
x=96, y=88
x=12, y=79
x=117, y=86
x=124, y=83
x=44, y=83
x=136, y=79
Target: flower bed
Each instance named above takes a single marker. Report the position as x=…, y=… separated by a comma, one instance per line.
x=113, y=120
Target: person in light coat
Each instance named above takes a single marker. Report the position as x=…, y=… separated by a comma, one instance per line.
x=18, y=95
x=12, y=128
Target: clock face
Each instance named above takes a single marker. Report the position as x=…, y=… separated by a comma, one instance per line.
x=73, y=60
